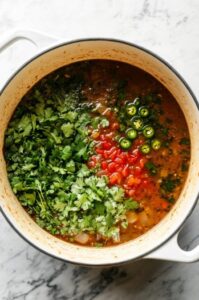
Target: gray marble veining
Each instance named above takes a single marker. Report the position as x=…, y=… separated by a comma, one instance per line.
x=167, y=27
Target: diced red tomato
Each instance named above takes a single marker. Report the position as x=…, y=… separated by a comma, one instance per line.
x=123, y=168
x=137, y=170
x=124, y=156
x=115, y=178
x=125, y=171
x=113, y=148
x=104, y=165
x=112, y=167
x=120, y=169
x=109, y=135
x=119, y=151
x=132, y=159
x=102, y=137
x=145, y=182
x=106, y=145
x=165, y=204
x=115, y=126
x=135, y=152
x=99, y=151
x=119, y=161
x=105, y=154
x=142, y=162
x=126, y=187
x=131, y=180
x=113, y=155
x=145, y=175
x=131, y=193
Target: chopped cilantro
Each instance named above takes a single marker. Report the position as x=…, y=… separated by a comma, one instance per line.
x=48, y=171
x=171, y=199
x=169, y=183
x=66, y=152
x=131, y=204
x=104, y=123
x=184, y=141
x=151, y=167
x=99, y=122
x=68, y=129
x=165, y=131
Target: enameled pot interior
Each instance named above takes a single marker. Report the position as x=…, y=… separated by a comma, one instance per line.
x=98, y=49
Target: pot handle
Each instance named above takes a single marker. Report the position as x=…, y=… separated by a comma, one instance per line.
x=38, y=39
x=171, y=251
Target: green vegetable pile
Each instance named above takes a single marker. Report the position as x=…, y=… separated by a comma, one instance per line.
x=47, y=145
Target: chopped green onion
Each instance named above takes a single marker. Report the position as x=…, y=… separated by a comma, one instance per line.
x=131, y=109
x=131, y=133
x=148, y=131
x=143, y=111
x=125, y=143
x=145, y=148
x=156, y=144
x=137, y=123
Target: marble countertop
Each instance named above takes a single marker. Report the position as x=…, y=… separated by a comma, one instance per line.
x=167, y=27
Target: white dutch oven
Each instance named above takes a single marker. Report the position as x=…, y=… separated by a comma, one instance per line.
x=161, y=241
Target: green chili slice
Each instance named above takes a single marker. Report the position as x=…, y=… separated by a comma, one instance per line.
x=131, y=133
x=131, y=109
x=143, y=111
x=155, y=144
x=125, y=143
x=137, y=123
x=148, y=131
x=145, y=148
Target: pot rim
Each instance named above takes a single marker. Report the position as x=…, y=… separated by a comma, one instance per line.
x=172, y=69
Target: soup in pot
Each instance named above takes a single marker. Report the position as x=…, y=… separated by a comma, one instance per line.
x=97, y=152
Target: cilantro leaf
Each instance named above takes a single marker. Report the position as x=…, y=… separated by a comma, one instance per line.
x=68, y=129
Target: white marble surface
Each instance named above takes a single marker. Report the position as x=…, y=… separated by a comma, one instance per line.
x=167, y=27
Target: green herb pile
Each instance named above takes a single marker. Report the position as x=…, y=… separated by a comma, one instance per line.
x=47, y=145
